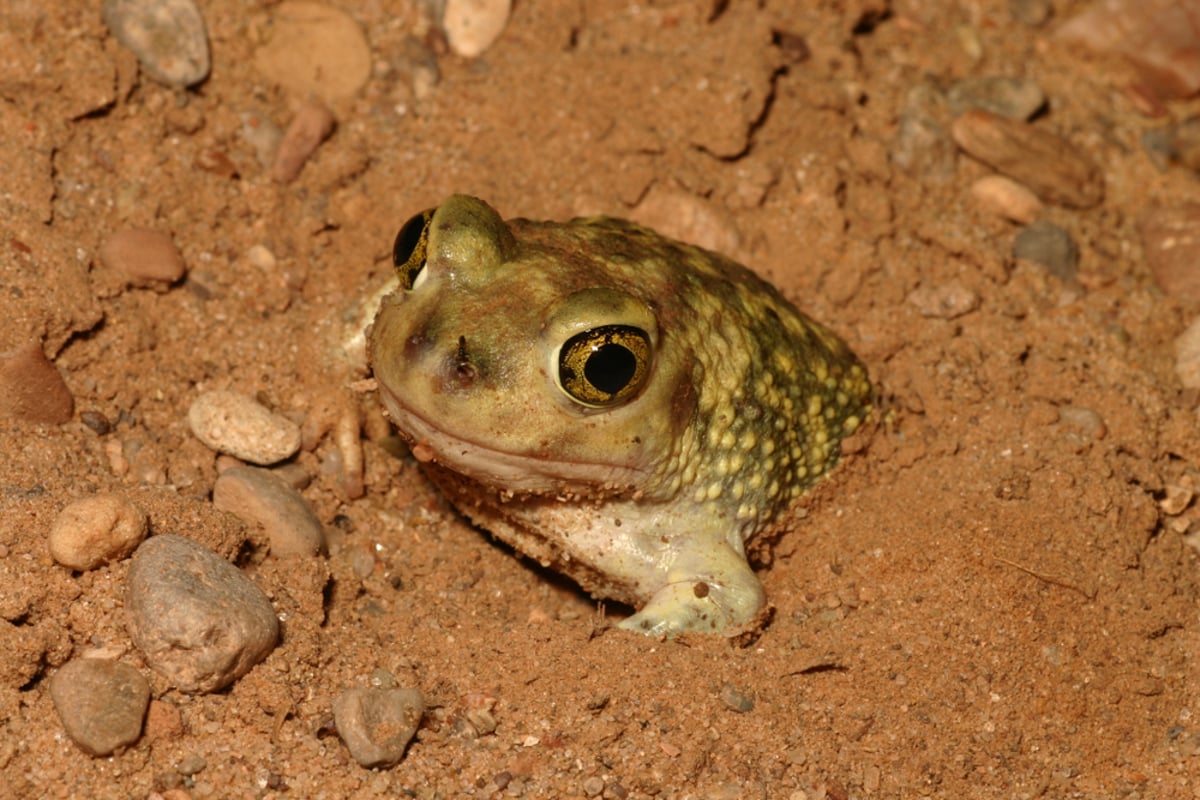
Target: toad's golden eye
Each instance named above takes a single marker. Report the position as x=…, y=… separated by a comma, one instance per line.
x=604, y=366
x=408, y=252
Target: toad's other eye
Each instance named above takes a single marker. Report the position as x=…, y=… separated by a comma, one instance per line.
x=408, y=253
x=604, y=366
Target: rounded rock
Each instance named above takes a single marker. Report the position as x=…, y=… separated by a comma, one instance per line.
x=312, y=125
x=197, y=619
x=101, y=703
x=690, y=218
x=1006, y=198
x=96, y=530
x=1171, y=242
x=314, y=49
x=232, y=423
x=143, y=257
x=378, y=724
x=1015, y=98
x=32, y=389
x=260, y=497
x=944, y=301
x=472, y=26
x=1056, y=170
x=1049, y=245
x=167, y=36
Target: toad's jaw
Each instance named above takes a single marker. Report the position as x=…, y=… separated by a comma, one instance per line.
x=515, y=472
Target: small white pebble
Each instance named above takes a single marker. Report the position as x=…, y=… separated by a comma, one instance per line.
x=1004, y=197
x=232, y=423
x=944, y=301
x=473, y=26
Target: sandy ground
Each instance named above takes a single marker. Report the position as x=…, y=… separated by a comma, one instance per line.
x=987, y=601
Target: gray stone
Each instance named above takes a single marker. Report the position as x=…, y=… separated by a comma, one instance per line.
x=1049, y=245
x=167, y=36
x=197, y=619
x=923, y=146
x=1015, y=98
x=101, y=703
x=378, y=724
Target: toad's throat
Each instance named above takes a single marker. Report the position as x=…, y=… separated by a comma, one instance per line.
x=519, y=473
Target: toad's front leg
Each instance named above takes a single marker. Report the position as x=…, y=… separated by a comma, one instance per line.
x=707, y=587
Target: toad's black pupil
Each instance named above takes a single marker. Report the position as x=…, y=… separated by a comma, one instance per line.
x=610, y=368
x=407, y=239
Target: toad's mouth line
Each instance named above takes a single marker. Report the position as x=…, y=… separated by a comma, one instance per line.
x=503, y=469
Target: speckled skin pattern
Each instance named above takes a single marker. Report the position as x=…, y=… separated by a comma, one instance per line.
x=737, y=405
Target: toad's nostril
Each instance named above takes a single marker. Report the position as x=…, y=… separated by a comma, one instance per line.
x=463, y=368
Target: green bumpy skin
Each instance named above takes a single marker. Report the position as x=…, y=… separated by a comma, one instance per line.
x=620, y=406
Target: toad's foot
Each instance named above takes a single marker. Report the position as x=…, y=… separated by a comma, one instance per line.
x=705, y=599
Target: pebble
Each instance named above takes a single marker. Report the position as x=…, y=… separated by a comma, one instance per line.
x=472, y=26
x=167, y=36
x=1171, y=242
x=1004, y=197
x=1158, y=37
x=689, y=218
x=1032, y=13
x=378, y=724
x=737, y=699
x=96, y=530
x=143, y=257
x=1045, y=243
x=260, y=497
x=191, y=765
x=96, y=422
x=922, y=145
x=1083, y=420
x=1014, y=98
x=233, y=423
x=312, y=125
x=1176, y=499
x=196, y=618
x=32, y=389
x=944, y=301
x=101, y=703
x=1187, y=356
x=1178, y=143
x=315, y=49
x=1048, y=164
x=263, y=136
